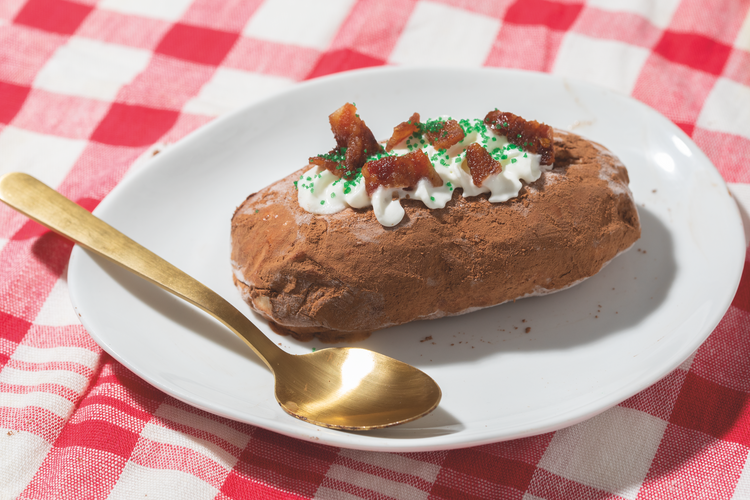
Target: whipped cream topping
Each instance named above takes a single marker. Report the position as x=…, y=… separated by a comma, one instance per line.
x=321, y=192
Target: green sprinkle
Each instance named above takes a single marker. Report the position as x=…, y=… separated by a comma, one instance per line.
x=432, y=198
x=449, y=184
x=513, y=160
x=256, y=210
x=295, y=184
x=494, y=138
x=309, y=178
x=525, y=155
x=504, y=157
x=313, y=349
x=322, y=201
x=333, y=195
x=519, y=136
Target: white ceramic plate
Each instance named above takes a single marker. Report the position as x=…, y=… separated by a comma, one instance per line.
x=589, y=347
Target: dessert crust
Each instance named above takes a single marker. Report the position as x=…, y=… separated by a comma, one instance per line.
x=339, y=277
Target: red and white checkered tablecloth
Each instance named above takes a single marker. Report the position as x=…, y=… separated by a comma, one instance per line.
x=87, y=86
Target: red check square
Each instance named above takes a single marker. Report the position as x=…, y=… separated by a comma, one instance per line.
x=12, y=328
x=126, y=125
x=343, y=60
x=558, y=16
x=713, y=409
x=57, y=16
x=11, y=100
x=303, y=467
x=695, y=51
x=529, y=450
x=193, y=43
x=30, y=230
x=692, y=465
x=742, y=297
x=493, y=469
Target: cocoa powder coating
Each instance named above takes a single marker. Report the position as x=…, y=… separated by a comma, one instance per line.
x=341, y=276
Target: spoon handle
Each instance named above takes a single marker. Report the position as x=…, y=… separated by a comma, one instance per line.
x=39, y=202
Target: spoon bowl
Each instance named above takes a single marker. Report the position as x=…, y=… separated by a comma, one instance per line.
x=355, y=389
x=340, y=388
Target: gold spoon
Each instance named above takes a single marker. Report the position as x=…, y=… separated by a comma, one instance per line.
x=341, y=388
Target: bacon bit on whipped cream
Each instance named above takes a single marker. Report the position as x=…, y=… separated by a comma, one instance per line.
x=443, y=135
x=354, y=142
x=403, y=130
x=533, y=136
x=399, y=172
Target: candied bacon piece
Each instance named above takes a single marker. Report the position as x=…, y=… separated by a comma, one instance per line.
x=402, y=131
x=399, y=171
x=481, y=163
x=532, y=136
x=446, y=136
x=351, y=133
x=336, y=168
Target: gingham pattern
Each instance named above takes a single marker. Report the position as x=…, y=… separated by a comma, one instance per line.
x=86, y=87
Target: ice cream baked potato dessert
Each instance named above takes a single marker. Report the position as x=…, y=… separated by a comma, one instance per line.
x=447, y=217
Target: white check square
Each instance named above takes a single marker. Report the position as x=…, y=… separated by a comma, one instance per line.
x=136, y=481
x=743, y=37
x=609, y=63
x=309, y=24
x=23, y=455
x=167, y=10
x=229, y=89
x=612, y=451
x=46, y=157
x=438, y=34
x=90, y=68
x=727, y=109
x=57, y=309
